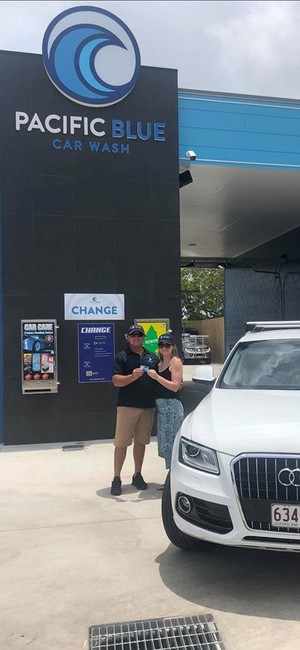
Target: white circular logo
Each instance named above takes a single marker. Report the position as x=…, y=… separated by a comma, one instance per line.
x=289, y=476
x=91, y=56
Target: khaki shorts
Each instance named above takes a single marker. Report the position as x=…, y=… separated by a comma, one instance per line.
x=133, y=423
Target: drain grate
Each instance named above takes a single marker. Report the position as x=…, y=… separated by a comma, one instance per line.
x=184, y=633
x=73, y=447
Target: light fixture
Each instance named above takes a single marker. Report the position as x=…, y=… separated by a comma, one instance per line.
x=185, y=178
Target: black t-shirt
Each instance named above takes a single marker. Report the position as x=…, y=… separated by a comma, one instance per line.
x=163, y=392
x=139, y=394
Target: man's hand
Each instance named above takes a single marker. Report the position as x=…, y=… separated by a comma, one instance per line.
x=137, y=373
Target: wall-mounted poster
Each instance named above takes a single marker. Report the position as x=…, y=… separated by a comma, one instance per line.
x=96, y=352
x=39, y=356
x=153, y=327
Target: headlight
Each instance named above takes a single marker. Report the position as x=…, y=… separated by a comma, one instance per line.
x=198, y=456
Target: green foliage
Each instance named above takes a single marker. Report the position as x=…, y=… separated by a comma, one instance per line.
x=202, y=293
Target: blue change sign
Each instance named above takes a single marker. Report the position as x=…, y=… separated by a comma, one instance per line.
x=96, y=351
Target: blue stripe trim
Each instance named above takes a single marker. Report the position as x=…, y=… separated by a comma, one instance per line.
x=239, y=131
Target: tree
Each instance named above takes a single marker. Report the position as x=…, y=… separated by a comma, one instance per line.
x=202, y=293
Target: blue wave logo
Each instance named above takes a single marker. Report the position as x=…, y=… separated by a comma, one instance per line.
x=91, y=56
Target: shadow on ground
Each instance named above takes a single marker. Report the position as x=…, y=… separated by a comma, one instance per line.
x=259, y=583
x=153, y=492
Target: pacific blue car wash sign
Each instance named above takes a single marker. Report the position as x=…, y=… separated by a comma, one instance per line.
x=93, y=59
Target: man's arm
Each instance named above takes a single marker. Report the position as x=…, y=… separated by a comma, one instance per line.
x=119, y=381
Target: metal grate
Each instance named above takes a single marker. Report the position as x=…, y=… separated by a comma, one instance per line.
x=257, y=483
x=256, y=477
x=73, y=447
x=184, y=633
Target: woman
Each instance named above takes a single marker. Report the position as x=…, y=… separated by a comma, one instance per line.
x=169, y=377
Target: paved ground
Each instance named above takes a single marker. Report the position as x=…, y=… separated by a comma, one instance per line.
x=72, y=556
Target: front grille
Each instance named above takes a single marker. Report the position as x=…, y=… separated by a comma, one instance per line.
x=182, y=633
x=207, y=515
x=275, y=540
x=256, y=480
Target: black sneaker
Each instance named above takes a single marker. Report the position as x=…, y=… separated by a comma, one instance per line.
x=116, y=488
x=138, y=482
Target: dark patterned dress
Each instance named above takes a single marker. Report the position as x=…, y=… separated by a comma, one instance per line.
x=169, y=417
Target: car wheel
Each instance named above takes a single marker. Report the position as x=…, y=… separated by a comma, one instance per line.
x=36, y=346
x=175, y=535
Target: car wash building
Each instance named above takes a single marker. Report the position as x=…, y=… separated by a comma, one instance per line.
x=97, y=215
x=242, y=209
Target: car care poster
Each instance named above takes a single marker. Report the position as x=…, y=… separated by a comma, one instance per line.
x=96, y=352
x=39, y=355
x=153, y=328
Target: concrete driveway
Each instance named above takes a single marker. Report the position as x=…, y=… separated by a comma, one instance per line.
x=72, y=556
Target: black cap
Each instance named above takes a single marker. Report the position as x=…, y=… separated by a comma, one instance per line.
x=166, y=338
x=136, y=328
x=150, y=360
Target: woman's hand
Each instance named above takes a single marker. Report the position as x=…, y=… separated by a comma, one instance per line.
x=152, y=373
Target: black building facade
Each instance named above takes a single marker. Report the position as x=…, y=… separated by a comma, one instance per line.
x=267, y=288
x=78, y=217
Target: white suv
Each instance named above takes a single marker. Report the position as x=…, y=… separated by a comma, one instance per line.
x=235, y=472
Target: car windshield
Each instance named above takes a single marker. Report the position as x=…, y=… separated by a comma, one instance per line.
x=268, y=365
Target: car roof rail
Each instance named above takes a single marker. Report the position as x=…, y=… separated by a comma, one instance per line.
x=261, y=326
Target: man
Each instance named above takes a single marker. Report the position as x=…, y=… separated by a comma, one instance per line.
x=135, y=406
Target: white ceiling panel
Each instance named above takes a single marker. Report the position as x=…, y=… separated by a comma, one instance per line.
x=227, y=211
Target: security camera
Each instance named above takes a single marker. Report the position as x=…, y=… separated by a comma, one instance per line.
x=191, y=155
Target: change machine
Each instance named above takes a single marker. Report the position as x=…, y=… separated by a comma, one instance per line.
x=39, y=356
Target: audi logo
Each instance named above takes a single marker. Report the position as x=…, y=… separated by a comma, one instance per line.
x=288, y=476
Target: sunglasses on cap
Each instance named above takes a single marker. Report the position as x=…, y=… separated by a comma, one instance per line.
x=139, y=334
x=164, y=345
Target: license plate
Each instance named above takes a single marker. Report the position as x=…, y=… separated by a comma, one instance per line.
x=285, y=516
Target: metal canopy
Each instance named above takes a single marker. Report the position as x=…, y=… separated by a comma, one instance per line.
x=229, y=211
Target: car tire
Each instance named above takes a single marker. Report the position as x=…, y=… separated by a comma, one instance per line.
x=36, y=346
x=179, y=539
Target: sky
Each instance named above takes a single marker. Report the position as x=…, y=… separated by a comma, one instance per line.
x=237, y=46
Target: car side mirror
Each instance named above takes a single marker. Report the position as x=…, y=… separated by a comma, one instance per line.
x=203, y=375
